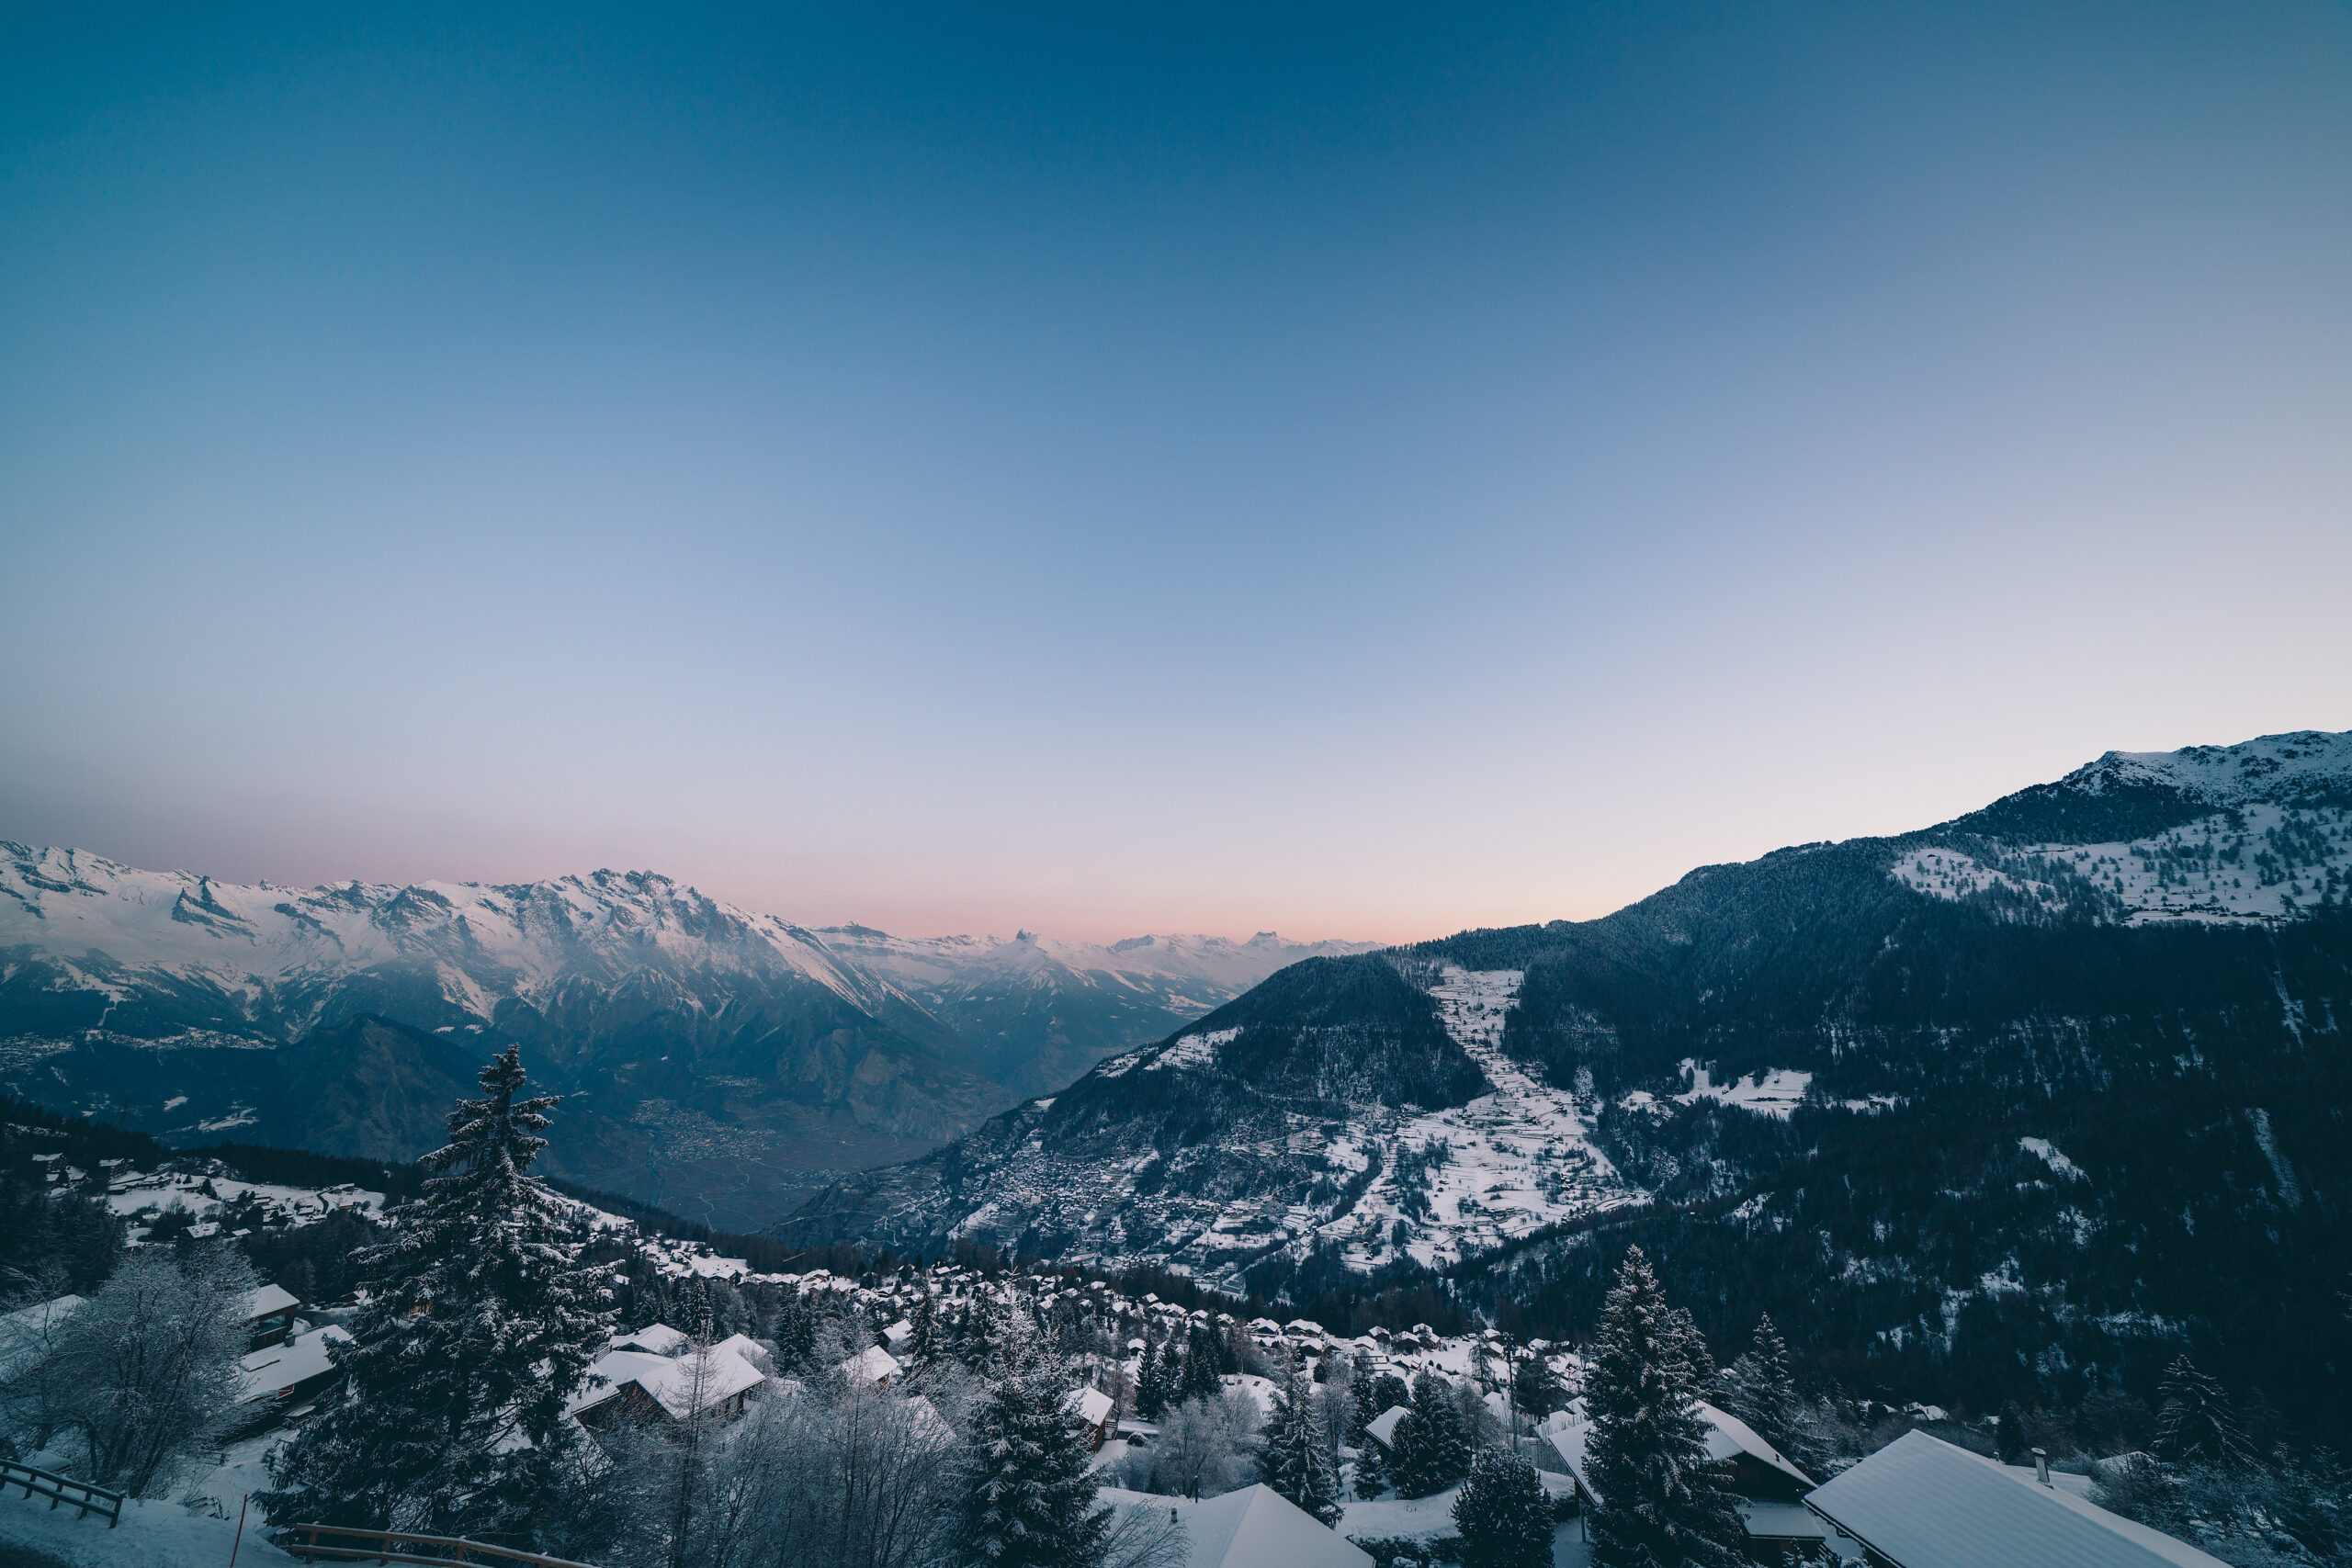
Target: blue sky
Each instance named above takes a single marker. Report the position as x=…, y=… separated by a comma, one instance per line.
x=1356, y=472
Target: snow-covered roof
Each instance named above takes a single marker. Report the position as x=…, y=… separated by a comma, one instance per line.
x=751, y=1349
x=269, y=1372
x=268, y=1300
x=1090, y=1405
x=899, y=1332
x=1728, y=1435
x=1921, y=1503
x=656, y=1338
x=1254, y=1528
x=872, y=1364
x=1382, y=1426
x=670, y=1380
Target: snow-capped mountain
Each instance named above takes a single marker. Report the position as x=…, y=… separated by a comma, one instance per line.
x=2147, y=919
x=709, y=1045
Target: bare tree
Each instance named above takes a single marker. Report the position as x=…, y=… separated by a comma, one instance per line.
x=148, y=1368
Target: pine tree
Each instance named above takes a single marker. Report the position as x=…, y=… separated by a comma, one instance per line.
x=2009, y=1435
x=923, y=1330
x=2196, y=1425
x=1296, y=1458
x=1535, y=1387
x=1502, y=1514
x=795, y=1333
x=1204, y=1363
x=1764, y=1391
x=1028, y=1499
x=1646, y=1459
x=1372, y=1470
x=1429, y=1450
x=1151, y=1379
x=479, y=1326
x=1361, y=1389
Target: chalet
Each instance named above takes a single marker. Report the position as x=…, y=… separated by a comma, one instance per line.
x=1254, y=1528
x=1922, y=1503
x=653, y=1340
x=277, y=1379
x=637, y=1385
x=270, y=1316
x=1092, y=1410
x=1382, y=1428
x=873, y=1365
x=1769, y=1491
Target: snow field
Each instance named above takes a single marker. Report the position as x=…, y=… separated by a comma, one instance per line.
x=1520, y=1157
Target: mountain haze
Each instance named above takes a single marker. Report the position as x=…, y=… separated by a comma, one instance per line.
x=725, y=1060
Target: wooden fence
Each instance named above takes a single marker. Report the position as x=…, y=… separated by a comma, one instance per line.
x=395, y=1546
x=57, y=1489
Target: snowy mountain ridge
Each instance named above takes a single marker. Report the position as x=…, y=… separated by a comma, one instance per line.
x=721, y=1056
x=2274, y=768
x=524, y=940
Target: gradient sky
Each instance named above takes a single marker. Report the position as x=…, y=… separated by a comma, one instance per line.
x=1357, y=472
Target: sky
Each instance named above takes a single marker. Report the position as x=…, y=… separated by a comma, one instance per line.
x=1353, y=471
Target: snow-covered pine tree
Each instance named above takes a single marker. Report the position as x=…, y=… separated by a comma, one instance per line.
x=1204, y=1362
x=1028, y=1494
x=1646, y=1459
x=1535, y=1387
x=922, y=1329
x=1361, y=1388
x=1151, y=1384
x=478, y=1324
x=1372, y=1470
x=1295, y=1458
x=2194, y=1424
x=1502, y=1514
x=1765, y=1391
x=1429, y=1451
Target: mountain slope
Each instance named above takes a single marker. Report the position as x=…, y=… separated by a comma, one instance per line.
x=728, y=1060
x=1867, y=1041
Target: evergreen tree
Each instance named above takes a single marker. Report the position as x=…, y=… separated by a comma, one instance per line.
x=1764, y=1391
x=1372, y=1470
x=1502, y=1514
x=1429, y=1451
x=1691, y=1346
x=1151, y=1379
x=2009, y=1435
x=1660, y=1504
x=480, y=1323
x=1295, y=1460
x=1535, y=1387
x=1028, y=1496
x=795, y=1333
x=2196, y=1425
x=1204, y=1363
x=1361, y=1389
x=922, y=1329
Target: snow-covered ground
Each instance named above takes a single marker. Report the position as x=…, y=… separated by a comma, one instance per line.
x=2259, y=865
x=1517, y=1159
x=196, y=1528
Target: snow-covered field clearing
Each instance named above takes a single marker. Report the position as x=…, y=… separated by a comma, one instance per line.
x=1517, y=1159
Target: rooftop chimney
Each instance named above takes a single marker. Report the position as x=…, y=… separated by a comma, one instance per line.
x=2042, y=1465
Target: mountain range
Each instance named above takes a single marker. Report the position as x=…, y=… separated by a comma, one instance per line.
x=717, y=1061
x=2064, y=1079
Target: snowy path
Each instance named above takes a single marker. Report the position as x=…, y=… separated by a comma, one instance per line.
x=1516, y=1159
